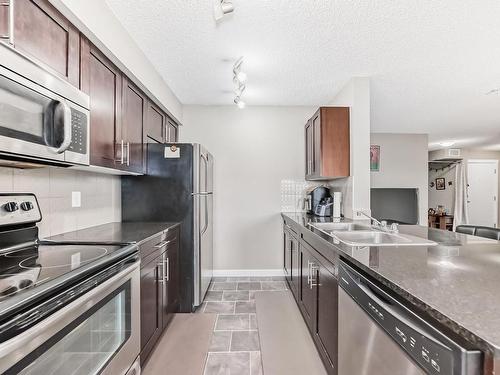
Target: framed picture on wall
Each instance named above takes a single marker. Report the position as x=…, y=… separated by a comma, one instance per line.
x=440, y=183
x=374, y=158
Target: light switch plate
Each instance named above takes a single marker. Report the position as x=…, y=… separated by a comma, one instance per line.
x=76, y=199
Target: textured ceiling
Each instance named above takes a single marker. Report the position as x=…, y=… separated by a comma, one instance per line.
x=430, y=62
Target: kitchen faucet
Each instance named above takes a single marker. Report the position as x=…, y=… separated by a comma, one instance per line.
x=382, y=225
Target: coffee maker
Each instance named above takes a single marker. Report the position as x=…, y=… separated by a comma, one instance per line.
x=319, y=201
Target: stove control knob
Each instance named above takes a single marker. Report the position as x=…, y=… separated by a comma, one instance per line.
x=11, y=206
x=27, y=206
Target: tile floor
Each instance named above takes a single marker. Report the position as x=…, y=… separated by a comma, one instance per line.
x=234, y=347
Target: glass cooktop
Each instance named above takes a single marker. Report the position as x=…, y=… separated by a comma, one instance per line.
x=33, y=266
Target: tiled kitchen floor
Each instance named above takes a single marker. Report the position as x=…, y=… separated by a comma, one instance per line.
x=235, y=347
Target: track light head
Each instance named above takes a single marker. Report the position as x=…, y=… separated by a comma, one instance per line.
x=221, y=8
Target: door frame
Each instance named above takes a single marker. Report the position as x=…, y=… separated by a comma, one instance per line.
x=486, y=161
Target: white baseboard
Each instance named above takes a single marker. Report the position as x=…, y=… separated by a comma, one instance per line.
x=243, y=273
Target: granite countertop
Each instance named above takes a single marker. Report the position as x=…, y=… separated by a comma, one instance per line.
x=116, y=232
x=457, y=282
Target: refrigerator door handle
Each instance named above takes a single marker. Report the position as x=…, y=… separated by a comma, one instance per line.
x=206, y=217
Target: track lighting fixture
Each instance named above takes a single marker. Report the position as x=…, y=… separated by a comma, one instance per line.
x=221, y=8
x=239, y=79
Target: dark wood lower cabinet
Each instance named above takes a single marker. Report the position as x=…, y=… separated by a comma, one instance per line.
x=317, y=297
x=159, y=288
x=327, y=318
x=151, y=307
x=307, y=301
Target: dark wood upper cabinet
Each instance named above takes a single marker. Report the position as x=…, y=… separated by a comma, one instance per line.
x=40, y=31
x=133, y=121
x=309, y=149
x=122, y=117
x=155, y=124
x=172, y=131
x=328, y=144
x=104, y=83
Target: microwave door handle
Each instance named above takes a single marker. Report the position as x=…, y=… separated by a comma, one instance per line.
x=67, y=128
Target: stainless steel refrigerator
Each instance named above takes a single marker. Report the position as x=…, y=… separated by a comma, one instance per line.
x=178, y=187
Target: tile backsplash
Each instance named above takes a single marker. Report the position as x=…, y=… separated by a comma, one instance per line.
x=293, y=193
x=53, y=187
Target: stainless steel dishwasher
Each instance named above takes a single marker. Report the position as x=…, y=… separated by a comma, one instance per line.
x=380, y=336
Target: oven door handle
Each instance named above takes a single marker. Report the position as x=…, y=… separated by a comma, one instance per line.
x=16, y=348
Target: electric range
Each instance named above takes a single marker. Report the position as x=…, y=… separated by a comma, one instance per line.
x=64, y=302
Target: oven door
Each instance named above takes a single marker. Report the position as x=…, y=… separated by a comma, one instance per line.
x=97, y=333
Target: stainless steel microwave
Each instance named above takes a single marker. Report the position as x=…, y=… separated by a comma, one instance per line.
x=42, y=117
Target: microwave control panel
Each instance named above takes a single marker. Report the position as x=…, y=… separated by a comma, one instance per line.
x=79, y=132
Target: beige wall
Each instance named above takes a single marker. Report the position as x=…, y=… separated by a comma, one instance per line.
x=100, y=196
x=255, y=149
x=356, y=188
x=403, y=164
x=101, y=26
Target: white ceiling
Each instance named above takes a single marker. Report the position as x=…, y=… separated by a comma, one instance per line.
x=430, y=62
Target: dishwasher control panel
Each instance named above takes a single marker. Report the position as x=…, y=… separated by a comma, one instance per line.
x=427, y=346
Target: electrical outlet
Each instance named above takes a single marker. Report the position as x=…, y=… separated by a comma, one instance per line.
x=76, y=199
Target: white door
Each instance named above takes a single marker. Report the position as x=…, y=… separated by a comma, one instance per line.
x=482, y=192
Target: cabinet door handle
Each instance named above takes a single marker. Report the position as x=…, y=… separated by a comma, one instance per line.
x=314, y=279
x=309, y=264
x=10, y=32
x=128, y=154
x=167, y=277
x=121, y=152
x=161, y=279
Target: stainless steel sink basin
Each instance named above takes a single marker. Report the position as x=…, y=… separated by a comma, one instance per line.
x=339, y=227
x=359, y=235
x=379, y=238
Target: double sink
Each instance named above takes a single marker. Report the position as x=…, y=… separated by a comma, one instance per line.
x=360, y=235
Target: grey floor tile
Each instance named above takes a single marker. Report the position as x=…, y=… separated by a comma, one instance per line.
x=236, y=295
x=220, y=341
x=278, y=278
x=219, y=307
x=245, y=307
x=254, y=285
x=219, y=279
x=251, y=294
x=232, y=322
x=260, y=278
x=213, y=296
x=238, y=278
x=243, y=341
x=256, y=363
x=224, y=286
x=273, y=285
x=253, y=321
x=228, y=364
